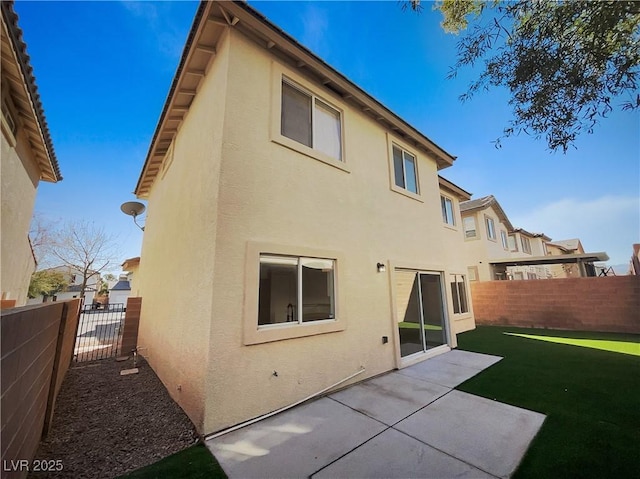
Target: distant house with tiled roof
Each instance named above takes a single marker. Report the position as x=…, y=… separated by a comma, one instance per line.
x=27, y=158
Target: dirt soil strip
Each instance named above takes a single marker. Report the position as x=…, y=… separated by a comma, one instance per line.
x=106, y=424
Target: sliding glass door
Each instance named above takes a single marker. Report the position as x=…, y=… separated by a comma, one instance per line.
x=420, y=311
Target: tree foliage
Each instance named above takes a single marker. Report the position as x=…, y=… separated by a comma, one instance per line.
x=83, y=247
x=104, y=283
x=46, y=283
x=565, y=63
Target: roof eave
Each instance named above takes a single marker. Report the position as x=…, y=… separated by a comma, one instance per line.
x=240, y=15
x=51, y=168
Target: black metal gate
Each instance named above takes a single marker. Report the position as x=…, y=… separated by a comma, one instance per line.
x=99, y=333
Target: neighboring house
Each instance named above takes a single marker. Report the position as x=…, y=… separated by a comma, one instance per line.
x=73, y=277
x=523, y=244
x=27, y=157
x=495, y=250
x=120, y=292
x=564, y=247
x=131, y=266
x=488, y=234
x=295, y=231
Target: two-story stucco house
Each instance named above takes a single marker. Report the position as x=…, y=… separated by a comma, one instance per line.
x=308, y=221
x=488, y=234
x=524, y=244
x=494, y=250
x=73, y=278
x=27, y=157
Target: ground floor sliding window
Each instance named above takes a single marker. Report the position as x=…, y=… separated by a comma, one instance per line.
x=420, y=311
x=295, y=290
x=459, y=294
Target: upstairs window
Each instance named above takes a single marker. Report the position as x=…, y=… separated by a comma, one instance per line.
x=310, y=121
x=469, y=224
x=491, y=228
x=447, y=210
x=513, y=244
x=459, y=294
x=505, y=241
x=526, y=245
x=404, y=170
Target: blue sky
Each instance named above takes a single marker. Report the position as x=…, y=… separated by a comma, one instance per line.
x=104, y=68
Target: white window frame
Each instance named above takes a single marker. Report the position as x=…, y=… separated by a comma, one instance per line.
x=405, y=153
x=490, y=226
x=515, y=243
x=456, y=291
x=314, y=100
x=281, y=73
x=526, y=244
x=472, y=273
x=252, y=335
x=504, y=239
x=475, y=228
x=300, y=305
x=443, y=204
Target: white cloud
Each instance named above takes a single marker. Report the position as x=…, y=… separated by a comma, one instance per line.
x=157, y=18
x=608, y=223
x=146, y=10
x=315, y=24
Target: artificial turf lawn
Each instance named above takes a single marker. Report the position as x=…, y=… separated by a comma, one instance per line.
x=195, y=462
x=591, y=397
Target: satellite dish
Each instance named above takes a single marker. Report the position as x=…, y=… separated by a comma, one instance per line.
x=132, y=208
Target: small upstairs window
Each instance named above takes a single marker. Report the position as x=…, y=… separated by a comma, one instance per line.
x=505, y=241
x=526, y=245
x=404, y=170
x=310, y=121
x=469, y=224
x=447, y=210
x=491, y=228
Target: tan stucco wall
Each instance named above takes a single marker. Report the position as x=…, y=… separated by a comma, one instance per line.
x=270, y=193
x=175, y=276
x=20, y=176
x=480, y=250
x=134, y=280
x=562, y=270
x=453, y=237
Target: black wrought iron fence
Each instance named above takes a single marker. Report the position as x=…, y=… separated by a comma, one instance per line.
x=99, y=332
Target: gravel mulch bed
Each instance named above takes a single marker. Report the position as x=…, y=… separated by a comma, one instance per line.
x=106, y=424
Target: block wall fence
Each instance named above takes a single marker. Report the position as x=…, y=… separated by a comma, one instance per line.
x=608, y=304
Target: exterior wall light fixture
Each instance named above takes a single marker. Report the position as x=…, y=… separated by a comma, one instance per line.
x=381, y=267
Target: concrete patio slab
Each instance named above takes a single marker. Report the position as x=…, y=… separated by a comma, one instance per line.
x=390, y=398
x=295, y=443
x=438, y=371
x=469, y=359
x=406, y=423
x=489, y=435
x=396, y=455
